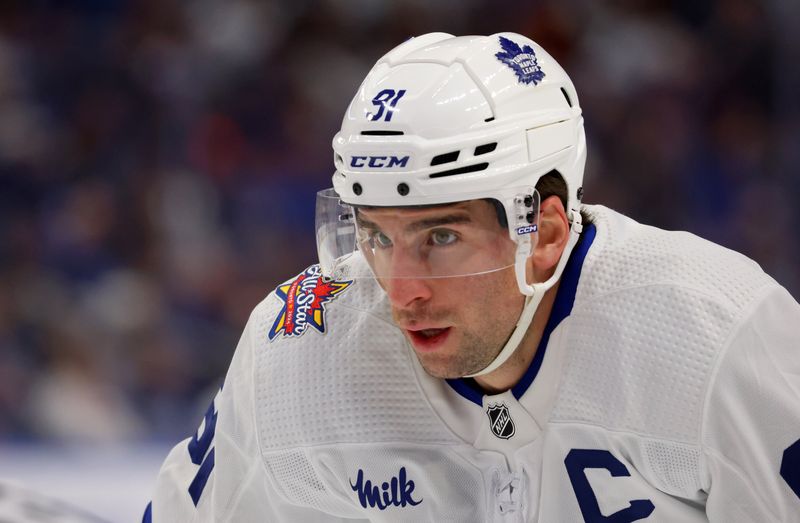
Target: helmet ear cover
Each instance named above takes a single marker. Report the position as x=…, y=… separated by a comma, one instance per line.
x=551, y=184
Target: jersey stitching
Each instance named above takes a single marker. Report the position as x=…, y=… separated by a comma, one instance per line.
x=642, y=436
x=237, y=494
x=745, y=312
x=765, y=506
x=623, y=431
x=736, y=314
x=790, y=385
x=341, y=496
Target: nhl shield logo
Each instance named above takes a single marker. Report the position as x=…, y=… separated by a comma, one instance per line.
x=500, y=421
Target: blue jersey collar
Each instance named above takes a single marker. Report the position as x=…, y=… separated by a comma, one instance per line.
x=562, y=306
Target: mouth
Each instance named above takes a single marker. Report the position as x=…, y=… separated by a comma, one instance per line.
x=427, y=340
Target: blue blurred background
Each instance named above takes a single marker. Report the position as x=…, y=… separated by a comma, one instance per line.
x=159, y=159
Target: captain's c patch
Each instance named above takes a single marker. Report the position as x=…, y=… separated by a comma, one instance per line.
x=304, y=298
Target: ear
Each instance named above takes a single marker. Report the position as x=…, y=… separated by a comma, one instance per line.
x=552, y=239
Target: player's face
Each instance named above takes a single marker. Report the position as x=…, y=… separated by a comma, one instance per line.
x=458, y=324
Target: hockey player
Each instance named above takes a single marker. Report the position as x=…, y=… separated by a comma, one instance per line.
x=476, y=345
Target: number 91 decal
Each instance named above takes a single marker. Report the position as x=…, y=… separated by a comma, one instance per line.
x=201, y=452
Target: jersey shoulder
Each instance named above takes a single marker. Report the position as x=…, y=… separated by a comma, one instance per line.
x=627, y=254
x=653, y=315
x=332, y=377
x=653, y=312
x=332, y=368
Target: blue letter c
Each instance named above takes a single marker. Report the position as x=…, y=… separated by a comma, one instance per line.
x=577, y=461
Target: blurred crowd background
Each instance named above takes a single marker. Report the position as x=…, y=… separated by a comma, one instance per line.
x=159, y=160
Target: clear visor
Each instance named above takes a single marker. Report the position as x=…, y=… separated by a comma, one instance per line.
x=440, y=241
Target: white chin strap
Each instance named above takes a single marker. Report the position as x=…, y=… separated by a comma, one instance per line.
x=534, y=293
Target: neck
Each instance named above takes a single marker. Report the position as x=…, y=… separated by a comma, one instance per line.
x=509, y=373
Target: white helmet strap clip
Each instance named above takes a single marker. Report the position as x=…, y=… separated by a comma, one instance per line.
x=534, y=292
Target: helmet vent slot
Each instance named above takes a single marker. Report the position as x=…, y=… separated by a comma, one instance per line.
x=485, y=148
x=445, y=158
x=461, y=170
x=564, y=92
x=382, y=133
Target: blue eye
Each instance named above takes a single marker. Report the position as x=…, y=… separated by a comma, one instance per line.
x=380, y=240
x=443, y=237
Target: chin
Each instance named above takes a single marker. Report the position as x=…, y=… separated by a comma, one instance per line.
x=438, y=373
x=441, y=368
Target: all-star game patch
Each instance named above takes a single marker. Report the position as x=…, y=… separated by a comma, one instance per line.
x=522, y=60
x=304, y=299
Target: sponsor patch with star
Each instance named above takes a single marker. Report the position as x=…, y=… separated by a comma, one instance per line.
x=304, y=298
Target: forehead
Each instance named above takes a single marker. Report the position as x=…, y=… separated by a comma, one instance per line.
x=472, y=211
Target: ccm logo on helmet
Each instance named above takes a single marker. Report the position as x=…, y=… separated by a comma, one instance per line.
x=378, y=162
x=526, y=229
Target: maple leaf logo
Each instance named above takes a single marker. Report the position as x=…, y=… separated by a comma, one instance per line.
x=322, y=293
x=522, y=60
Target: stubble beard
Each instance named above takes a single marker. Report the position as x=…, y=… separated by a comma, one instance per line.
x=482, y=331
x=471, y=354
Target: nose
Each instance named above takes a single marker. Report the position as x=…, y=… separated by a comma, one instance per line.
x=404, y=282
x=403, y=292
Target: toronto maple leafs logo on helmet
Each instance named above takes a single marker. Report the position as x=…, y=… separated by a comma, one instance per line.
x=522, y=60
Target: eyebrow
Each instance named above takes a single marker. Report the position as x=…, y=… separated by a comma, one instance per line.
x=425, y=223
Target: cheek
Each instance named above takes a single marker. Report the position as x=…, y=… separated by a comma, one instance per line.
x=496, y=301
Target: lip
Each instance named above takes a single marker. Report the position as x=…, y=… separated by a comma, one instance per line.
x=428, y=344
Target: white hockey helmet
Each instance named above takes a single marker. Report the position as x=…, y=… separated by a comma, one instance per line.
x=443, y=119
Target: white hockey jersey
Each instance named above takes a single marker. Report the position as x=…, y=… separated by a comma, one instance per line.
x=666, y=388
